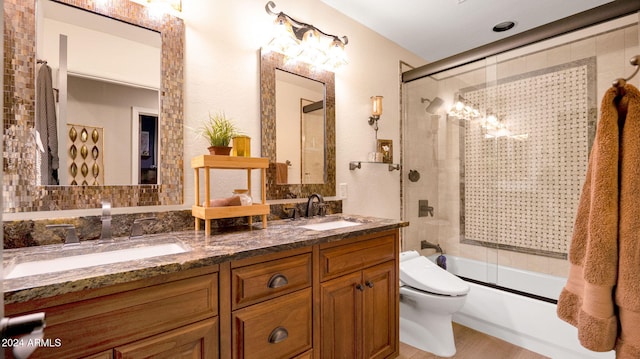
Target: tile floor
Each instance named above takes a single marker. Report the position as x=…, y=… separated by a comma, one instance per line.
x=471, y=344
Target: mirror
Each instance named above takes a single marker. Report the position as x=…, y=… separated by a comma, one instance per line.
x=299, y=130
x=103, y=95
x=21, y=192
x=288, y=89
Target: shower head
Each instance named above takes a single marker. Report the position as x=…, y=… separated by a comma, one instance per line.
x=434, y=104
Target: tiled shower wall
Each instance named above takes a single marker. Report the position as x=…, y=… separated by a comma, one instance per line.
x=520, y=191
x=524, y=219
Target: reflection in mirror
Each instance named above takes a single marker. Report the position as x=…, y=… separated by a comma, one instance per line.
x=305, y=140
x=299, y=130
x=98, y=94
x=22, y=189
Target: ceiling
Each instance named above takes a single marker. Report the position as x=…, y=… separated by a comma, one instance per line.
x=436, y=29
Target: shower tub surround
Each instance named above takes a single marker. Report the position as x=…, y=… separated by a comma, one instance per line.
x=526, y=322
x=520, y=189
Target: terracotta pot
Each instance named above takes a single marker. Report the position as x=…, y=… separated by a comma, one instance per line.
x=220, y=150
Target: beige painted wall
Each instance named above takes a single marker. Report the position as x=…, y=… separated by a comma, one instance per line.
x=223, y=39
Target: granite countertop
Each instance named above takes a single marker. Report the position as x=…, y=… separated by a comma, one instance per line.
x=222, y=246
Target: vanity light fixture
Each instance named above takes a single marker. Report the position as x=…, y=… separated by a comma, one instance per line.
x=173, y=7
x=492, y=125
x=305, y=42
x=464, y=109
x=376, y=111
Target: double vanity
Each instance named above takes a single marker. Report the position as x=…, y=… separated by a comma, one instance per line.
x=309, y=288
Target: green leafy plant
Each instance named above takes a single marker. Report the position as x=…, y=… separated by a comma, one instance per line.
x=218, y=130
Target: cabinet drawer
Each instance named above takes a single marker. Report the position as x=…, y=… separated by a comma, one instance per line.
x=258, y=282
x=339, y=260
x=198, y=340
x=105, y=322
x=104, y=355
x=278, y=328
x=305, y=355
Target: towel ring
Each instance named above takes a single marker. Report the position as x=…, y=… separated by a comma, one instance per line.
x=621, y=82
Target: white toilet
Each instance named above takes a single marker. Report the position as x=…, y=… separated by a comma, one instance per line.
x=429, y=295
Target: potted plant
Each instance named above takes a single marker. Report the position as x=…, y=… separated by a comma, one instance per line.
x=218, y=131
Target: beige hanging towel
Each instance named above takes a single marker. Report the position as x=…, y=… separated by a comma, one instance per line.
x=602, y=294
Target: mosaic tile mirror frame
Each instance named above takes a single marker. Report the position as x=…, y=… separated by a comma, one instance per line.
x=269, y=62
x=20, y=194
x=520, y=190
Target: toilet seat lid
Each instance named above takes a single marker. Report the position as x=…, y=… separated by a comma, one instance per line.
x=421, y=273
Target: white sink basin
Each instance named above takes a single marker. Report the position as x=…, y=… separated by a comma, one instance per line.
x=325, y=226
x=27, y=268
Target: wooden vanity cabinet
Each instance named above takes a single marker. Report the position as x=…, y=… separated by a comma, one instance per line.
x=170, y=314
x=331, y=300
x=359, y=298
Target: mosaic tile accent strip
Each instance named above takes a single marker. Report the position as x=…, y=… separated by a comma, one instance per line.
x=19, y=192
x=520, y=192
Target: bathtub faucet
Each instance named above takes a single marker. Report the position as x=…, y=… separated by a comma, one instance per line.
x=425, y=244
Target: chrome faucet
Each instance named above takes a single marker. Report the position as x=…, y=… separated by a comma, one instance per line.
x=310, y=204
x=425, y=244
x=71, y=238
x=106, y=222
x=136, y=227
x=295, y=212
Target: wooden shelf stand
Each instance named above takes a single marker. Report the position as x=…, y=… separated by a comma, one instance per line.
x=208, y=162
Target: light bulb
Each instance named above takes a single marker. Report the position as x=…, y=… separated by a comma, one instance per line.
x=376, y=106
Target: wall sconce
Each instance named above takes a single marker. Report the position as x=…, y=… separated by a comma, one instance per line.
x=305, y=42
x=376, y=111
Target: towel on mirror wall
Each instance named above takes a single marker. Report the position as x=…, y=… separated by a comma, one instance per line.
x=602, y=294
x=282, y=173
x=46, y=125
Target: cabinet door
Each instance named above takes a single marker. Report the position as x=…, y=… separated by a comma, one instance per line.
x=193, y=341
x=104, y=355
x=341, y=317
x=379, y=310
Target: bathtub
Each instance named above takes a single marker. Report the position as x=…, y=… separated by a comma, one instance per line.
x=527, y=322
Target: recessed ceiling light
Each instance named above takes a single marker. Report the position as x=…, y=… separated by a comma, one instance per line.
x=504, y=26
